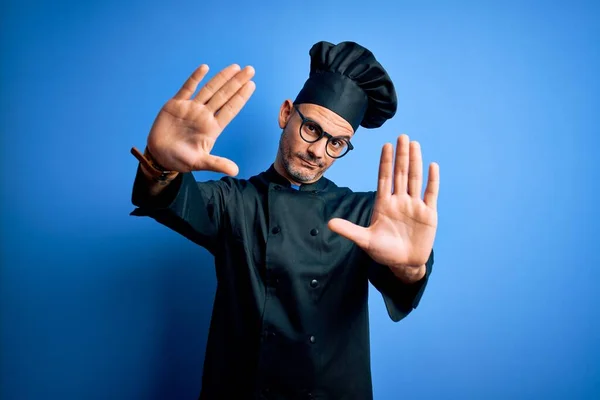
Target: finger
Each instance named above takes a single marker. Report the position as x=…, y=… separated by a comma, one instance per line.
x=190, y=85
x=384, y=183
x=235, y=104
x=433, y=186
x=230, y=88
x=401, y=164
x=415, y=170
x=347, y=229
x=216, y=82
x=216, y=164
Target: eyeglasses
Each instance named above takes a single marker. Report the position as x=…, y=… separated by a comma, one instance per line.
x=312, y=132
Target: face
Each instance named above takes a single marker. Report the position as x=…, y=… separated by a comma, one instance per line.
x=300, y=161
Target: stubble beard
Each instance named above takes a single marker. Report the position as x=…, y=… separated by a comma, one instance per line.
x=287, y=158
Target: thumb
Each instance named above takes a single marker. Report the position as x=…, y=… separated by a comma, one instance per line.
x=209, y=162
x=347, y=229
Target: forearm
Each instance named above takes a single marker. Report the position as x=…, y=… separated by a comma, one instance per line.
x=149, y=194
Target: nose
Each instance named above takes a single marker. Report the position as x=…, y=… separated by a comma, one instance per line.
x=317, y=149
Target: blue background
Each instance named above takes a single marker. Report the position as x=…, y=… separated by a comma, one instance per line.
x=96, y=304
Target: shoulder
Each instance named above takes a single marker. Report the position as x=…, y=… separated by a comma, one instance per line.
x=348, y=195
x=228, y=182
x=345, y=203
x=227, y=188
x=243, y=188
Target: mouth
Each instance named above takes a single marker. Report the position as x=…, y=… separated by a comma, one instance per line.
x=311, y=165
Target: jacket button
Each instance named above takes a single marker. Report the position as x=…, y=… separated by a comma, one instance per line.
x=276, y=230
x=314, y=231
x=314, y=283
x=269, y=333
x=312, y=339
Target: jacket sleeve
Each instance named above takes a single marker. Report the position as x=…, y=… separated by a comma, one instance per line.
x=194, y=209
x=400, y=298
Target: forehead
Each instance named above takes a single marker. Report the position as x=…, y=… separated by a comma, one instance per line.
x=329, y=121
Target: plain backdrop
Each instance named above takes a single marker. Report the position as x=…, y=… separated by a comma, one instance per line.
x=97, y=304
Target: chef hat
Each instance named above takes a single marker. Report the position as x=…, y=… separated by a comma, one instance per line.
x=348, y=80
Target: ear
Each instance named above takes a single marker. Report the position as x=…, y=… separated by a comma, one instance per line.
x=285, y=113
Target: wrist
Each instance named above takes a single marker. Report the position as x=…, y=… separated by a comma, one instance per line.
x=409, y=273
x=152, y=169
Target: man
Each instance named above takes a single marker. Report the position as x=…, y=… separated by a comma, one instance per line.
x=294, y=253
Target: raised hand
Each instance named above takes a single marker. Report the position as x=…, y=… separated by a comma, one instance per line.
x=403, y=225
x=186, y=128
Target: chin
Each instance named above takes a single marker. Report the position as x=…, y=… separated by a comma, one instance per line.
x=301, y=173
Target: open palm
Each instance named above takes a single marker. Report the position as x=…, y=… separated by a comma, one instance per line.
x=403, y=226
x=186, y=128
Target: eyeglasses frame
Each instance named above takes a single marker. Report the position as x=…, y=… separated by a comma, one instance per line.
x=323, y=133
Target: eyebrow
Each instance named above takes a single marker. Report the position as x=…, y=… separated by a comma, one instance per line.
x=343, y=136
x=318, y=123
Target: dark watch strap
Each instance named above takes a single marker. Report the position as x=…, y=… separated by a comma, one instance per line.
x=159, y=173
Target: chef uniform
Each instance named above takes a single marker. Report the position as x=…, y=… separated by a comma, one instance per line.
x=290, y=317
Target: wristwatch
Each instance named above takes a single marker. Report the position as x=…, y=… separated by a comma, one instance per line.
x=150, y=165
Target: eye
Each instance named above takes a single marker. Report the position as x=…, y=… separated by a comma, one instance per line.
x=312, y=129
x=337, y=143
